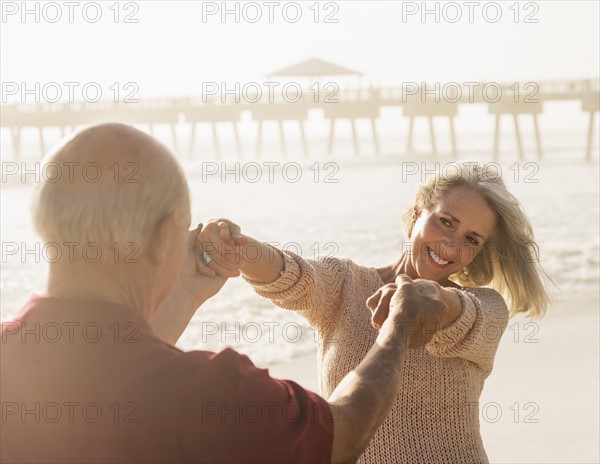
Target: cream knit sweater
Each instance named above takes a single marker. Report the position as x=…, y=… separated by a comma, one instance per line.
x=435, y=418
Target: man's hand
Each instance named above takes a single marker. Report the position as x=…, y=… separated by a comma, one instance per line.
x=222, y=242
x=417, y=305
x=195, y=277
x=196, y=284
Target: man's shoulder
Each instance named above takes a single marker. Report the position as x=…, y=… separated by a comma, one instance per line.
x=194, y=367
x=225, y=359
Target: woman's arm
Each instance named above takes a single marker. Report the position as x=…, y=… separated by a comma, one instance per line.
x=311, y=287
x=475, y=334
x=454, y=304
x=472, y=326
x=266, y=267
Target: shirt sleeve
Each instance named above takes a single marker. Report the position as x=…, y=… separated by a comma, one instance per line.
x=475, y=334
x=239, y=413
x=311, y=287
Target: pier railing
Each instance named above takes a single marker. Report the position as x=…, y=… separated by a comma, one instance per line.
x=432, y=99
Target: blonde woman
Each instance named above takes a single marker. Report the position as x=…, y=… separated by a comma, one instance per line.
x=466, y=231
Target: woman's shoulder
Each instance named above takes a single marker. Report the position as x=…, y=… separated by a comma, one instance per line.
x=360, y=280
x=484, y=293
x=352, y=277
x=349, y=266
x=370, y=273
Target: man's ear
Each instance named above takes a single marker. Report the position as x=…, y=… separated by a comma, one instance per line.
x=161, y=239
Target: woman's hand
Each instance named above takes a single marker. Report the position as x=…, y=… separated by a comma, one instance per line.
x=221, y=247
x=230, y=253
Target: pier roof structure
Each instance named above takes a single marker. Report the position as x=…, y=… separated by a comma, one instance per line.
x=315, y=67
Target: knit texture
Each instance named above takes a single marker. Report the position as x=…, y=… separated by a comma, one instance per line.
x=435, y=418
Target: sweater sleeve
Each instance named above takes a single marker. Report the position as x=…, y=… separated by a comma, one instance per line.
x=311, y=287
x=476, y=333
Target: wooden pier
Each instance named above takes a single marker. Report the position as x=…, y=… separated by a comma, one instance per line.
x=352, y=104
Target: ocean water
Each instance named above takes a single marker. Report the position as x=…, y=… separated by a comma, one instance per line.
x=346, y=206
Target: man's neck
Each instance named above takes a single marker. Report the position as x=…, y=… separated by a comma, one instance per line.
x=72, y=281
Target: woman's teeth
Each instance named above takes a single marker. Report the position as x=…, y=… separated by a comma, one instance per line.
x=437, y=259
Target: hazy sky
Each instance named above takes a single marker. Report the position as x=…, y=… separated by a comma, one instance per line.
x=172, y=48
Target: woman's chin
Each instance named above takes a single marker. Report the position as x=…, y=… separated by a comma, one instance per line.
x=438, y=275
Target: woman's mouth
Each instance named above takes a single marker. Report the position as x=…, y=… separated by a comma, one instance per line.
x=436, y=260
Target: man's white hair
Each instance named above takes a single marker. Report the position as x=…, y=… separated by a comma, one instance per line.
x=116, y=183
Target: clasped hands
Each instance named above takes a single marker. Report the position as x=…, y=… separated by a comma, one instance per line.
x=422, y=305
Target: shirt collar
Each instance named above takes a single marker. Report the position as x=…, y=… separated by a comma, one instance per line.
x=46, y=308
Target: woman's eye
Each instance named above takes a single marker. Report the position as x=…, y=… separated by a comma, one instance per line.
x=445, y=221
x=473, y=241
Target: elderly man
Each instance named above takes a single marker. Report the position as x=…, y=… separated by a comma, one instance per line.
x=84, y=377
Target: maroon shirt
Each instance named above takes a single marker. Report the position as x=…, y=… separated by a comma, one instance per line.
x=87, y=381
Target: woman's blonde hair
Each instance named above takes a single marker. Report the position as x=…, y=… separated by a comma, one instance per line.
x=508, y=261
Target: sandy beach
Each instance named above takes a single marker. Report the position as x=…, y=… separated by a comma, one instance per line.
x=540, y=404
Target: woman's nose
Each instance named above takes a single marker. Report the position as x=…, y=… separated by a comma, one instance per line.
x=451, y=249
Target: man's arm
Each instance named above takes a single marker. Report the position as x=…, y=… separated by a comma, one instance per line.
x=195, y=285
x=174, y=314
x=363, y=399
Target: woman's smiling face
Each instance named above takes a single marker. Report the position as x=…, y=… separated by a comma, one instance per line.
x=447, y=236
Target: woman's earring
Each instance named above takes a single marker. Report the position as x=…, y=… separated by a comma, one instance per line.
x=415, y=215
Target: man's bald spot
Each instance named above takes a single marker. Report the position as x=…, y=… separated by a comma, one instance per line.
x=114, y=184
x=122, y=152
